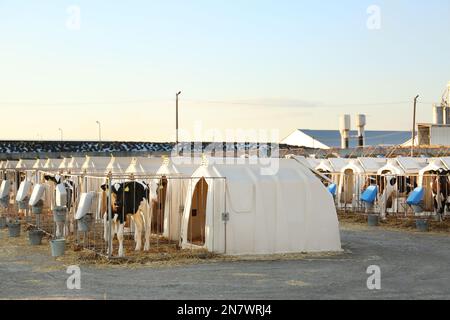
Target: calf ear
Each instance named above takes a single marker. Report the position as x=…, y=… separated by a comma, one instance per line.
x=104, y=187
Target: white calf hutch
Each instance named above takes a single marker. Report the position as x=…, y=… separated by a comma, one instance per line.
x=290, y=211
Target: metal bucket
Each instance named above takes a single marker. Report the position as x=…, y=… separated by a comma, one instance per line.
x=4, y=203
x=58, y=247
x=417, y=209
x=422, y=225
x=59, y=214
x=23, y=205
x=35, y=237
x=84, y=223
x=14, y=229
x=373, y=220
x=2, y=222
x=36, y=210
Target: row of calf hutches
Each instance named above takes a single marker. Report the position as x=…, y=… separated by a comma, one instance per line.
x=228, y=208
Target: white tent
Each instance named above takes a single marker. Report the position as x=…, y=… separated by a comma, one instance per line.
x=412, y=165
x=52, y=164
x=144, y=166
x=96, y=165
x=309, y=162
x=74, y=165
x=372, y=165
x=288, y=212
x=118, y=165
x=38, y=164
x=338, y=163
x=391, y=167
x=63, y=165
x=425, y=179
x=324, y=166
x=446, y=162
x=178, y=177
x=313, y=162
x=434, y=165
x=25, y=164
x=351, y=183
x=10, y=164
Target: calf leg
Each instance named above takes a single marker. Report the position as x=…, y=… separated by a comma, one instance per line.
x=106, y=232
x=139, y=224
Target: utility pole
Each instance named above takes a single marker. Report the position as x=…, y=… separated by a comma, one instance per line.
x=61, y=134
x=99, y=131
x=414, y=126
x=177, y=120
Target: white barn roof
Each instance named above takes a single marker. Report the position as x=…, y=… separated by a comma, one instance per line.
x=301, y=139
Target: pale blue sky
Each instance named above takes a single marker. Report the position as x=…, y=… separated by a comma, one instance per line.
x=250, y=64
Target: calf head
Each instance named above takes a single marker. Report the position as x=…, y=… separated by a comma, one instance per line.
x=55, y=179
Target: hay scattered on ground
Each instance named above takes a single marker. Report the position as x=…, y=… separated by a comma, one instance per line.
x=166, y=254
x=394, y=223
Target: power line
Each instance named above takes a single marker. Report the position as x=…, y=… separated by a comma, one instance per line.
x=280, y=103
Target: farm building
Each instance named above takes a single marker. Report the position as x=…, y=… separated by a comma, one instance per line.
x=327, y=139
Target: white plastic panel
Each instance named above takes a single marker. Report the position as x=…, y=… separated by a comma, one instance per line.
x=84, y=205
x=61, y=195
x=4, y=189
x=24, y=190
x=37, y=194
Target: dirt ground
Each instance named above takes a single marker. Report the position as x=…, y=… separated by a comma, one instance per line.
x=413, y=266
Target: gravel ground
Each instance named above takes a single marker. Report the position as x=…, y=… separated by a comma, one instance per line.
x=413, y=266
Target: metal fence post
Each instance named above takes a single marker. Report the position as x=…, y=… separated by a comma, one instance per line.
x=108, y=202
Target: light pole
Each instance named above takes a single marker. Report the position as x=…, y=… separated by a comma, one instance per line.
x=179, y=92
x=99, y=131
x=61, y=134
x=414, y=126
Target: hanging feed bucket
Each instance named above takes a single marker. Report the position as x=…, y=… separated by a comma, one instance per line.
x=36, y=210
x=373, y=220
x=58, y=247
x=4, y=202
x=14, y=229
x=59, y=214
x=84, y=223
x=23, y=205
x=35, y=237
x=2, y=222
x=422, y=225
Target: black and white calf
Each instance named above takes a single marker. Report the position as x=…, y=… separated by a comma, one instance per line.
x=440, y=187
x=129, y=198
